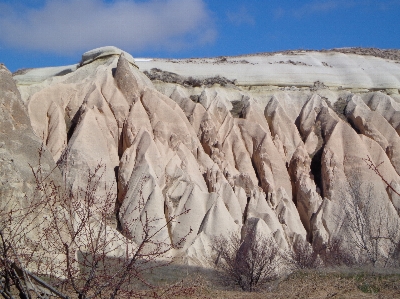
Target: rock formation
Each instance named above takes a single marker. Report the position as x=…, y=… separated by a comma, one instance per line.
x=19, y=147
x=31, y=186
x=254, y=155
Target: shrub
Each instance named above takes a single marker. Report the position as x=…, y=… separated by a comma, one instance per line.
x=250, y=263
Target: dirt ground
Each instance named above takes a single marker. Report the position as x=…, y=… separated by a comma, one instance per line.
x=316, y=284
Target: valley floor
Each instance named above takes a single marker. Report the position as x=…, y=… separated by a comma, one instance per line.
x=318, y=284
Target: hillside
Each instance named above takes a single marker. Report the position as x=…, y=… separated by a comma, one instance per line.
x=276, y=145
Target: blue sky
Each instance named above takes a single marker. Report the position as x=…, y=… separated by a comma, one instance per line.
x=37, y=33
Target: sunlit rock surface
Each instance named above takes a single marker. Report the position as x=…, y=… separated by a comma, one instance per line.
x=265, y=143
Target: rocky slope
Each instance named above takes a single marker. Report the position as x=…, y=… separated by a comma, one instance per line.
x=31, y=186
x=271, y=144
x=19, y=148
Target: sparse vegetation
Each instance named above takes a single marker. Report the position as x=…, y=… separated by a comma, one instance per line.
x=318, y=85
x=326, y=64
x=303, y=256
x=21, y=71
x=374, y=239
x=293, y=62
x=392, y=54
x=339, y=107
x=67, y=241
x=237, y=107
x=168, y=77
x=248, y=263
x=324, y=283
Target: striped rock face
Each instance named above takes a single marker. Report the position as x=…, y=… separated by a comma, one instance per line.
x=267, y=144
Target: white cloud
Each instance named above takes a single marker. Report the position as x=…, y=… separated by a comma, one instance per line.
x=68, y=26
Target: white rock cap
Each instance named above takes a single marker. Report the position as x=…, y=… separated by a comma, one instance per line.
x=97, y=53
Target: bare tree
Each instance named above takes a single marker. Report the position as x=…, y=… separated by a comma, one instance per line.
x=20, y=223
x=391, y=236
x=335, y=253
x=302, y=256
x=249, y=263
x=372, y=233
x=68, y=239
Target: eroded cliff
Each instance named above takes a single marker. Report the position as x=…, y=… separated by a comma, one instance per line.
x=275, y=147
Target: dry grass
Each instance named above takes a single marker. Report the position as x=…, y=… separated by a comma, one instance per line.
x=316, y=284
